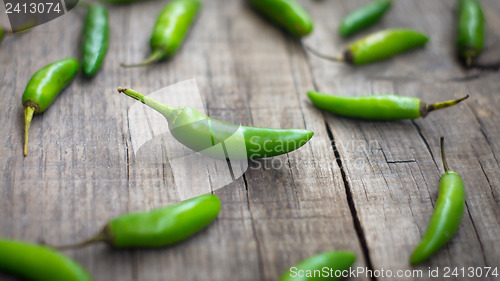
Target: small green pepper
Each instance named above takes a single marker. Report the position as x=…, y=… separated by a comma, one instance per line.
x=95, y=39
x=447, y=215
x=44, y=87
x=38, y=263
x=378, y=46
x=364, y=17
x=312, y=268
x=200, y=132
x=287, y=14
x=160, y=227
x=377, y=107
x=170, y=29
x=470, y=33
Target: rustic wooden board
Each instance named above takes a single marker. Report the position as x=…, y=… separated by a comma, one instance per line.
x=369, y=187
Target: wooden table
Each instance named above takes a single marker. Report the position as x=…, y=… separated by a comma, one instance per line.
x=368, y=187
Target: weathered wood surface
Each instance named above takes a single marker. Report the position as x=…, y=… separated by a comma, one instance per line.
x=369, y=187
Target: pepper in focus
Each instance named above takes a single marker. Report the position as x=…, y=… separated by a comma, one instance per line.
x=201, y=133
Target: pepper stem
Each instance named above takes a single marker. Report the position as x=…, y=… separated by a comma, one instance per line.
x=318, y=54
x=99, y=237
x=28, y=115
x=164, y=109
x=443, y=157
x=155, y=57
x=444, y=104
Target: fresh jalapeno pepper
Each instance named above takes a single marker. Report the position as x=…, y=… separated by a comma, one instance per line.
x=470, y=33
x=447, y=215
x=378, y=107
x=200, y=132
x=170, y=29
x=44, y=87
x=38, y=263
x=378, y=46
x=364, y=17
x=308, y=269
x=287, y=14
x=160, y=227
x=95, y=39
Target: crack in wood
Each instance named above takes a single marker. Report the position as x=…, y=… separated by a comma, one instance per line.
x=477, y=235
x=350, y=201
x=254, y=231
x=419, y=131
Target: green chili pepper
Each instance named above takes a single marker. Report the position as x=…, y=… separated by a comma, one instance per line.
x=170, y=29
x=377, y=107
x=44, y=87
x=160, y=227
x=447, y=215
x=287, y=14
x=470, y=35
x=38, y=263
x=379, y=46
x=200, y=132
x=95, y=39
x=364, y=17
x=312, y=268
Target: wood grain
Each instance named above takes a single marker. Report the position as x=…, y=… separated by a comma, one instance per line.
x=368, y=187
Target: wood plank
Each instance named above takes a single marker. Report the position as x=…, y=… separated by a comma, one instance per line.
x=369, y=187
x=394, y=170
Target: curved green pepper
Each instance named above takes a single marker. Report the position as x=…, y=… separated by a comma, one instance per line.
x=38, y=263
x=44, y=87
x=287, y=14
x=377, y=107
x=447, y=215
x=364, y=17
x=160, y=227
x=200, y=132
x=336, y=262
x=170, y=29
x=470, y=33
x=95, y=39
x=379, y=46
